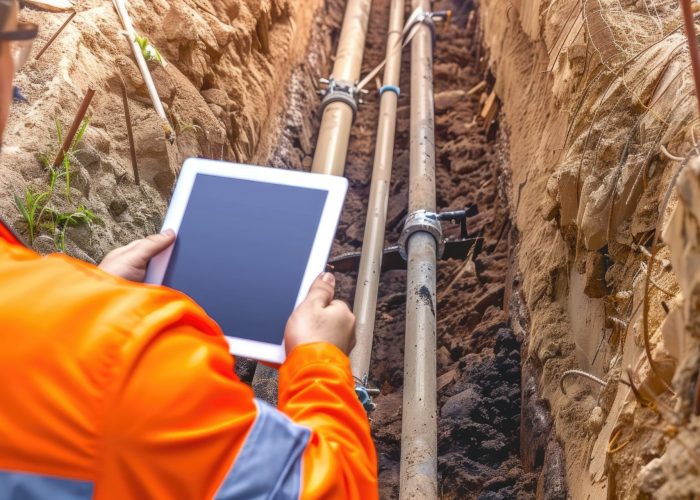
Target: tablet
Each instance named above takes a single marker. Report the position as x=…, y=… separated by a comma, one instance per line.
x=250, y=241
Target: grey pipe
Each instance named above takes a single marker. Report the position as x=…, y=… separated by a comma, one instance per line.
x=418, y=475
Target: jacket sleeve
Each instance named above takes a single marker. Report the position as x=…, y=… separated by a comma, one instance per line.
x=177, y=420
x=316, y=390
x=180, y=425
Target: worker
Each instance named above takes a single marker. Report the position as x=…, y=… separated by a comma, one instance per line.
x=113, y=389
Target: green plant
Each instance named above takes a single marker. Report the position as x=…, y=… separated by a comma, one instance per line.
x=66, y=168
x=150, y=53
x=32, y=209
x=188, y=126
x=61, y=221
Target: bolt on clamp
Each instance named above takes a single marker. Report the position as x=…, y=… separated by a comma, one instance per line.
x=420, y=16
x=421, y=221
x=341, y=91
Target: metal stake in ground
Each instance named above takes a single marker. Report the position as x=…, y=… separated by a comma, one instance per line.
x=70, y=136
x=55, y=35
x=130, y=133
x=693, y=45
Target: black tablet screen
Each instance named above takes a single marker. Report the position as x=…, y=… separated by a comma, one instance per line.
x=242, y=251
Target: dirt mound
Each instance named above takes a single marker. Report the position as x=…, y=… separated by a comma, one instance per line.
x=228, y=66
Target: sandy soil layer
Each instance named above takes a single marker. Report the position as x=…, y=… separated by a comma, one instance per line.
x=591, y=92
x=228, y=66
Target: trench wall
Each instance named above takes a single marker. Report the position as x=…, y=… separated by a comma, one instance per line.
x=592, y=92
x=225, y=84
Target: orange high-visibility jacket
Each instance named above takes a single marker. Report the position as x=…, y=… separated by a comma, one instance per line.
x=116, y=390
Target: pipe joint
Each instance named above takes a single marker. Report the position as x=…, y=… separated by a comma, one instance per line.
x=340, y=91
x=425, y=222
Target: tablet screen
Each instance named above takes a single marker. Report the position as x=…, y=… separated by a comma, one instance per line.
x=242, y=251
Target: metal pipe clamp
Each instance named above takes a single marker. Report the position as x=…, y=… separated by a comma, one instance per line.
x=339, y=91
x=421, y=221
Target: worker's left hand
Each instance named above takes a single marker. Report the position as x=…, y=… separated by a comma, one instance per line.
x=129, y=262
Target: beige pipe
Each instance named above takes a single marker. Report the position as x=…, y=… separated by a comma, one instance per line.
x=418, y=474
x=373, y=244
x=334, y=135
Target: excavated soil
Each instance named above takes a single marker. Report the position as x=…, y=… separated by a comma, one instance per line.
x=478, y=353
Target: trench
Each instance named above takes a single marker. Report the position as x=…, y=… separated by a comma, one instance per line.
x=479, y=368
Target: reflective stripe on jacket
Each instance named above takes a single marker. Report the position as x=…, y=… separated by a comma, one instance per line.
x=114, y=390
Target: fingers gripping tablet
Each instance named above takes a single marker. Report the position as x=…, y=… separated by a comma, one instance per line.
x=250, y=242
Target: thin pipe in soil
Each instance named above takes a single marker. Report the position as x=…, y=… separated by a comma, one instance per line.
x=365, y=306
x=690, y=31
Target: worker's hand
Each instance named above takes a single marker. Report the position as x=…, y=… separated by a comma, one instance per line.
x=129, y=262
x=321, y=319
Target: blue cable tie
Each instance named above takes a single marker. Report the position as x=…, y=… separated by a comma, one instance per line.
x=391, y=88
x=365, y=398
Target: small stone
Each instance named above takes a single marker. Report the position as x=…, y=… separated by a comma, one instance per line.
x=216, y=96
x=446, y=100
x=443, y=357
x=651, y=476
x=445, y=379
x=462, y=404
x=596, y=420
x=44, y=245
x=118, y=206
x=88, y=157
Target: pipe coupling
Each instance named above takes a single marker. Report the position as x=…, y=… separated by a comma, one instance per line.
x=421, y=221
x=341, y=91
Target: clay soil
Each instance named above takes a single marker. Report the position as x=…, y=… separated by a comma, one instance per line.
x=478, y=353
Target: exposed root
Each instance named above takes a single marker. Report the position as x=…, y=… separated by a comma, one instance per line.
x=579, y=373
x=613, y=447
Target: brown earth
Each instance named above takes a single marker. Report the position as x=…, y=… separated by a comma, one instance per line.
x=591, y=92
x=478, y=353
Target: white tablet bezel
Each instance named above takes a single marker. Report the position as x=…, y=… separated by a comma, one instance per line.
x=335, y=186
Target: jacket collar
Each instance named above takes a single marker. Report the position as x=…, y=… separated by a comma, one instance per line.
x=7, y=235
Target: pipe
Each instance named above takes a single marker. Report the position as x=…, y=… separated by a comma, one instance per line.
x=334, y=134
x=365, y=305
x=418, y=476
x=132, y=36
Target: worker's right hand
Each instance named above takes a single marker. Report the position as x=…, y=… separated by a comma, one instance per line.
x=321, y=319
